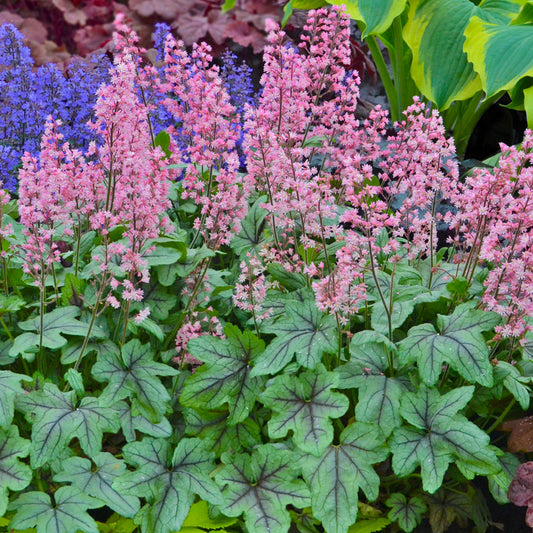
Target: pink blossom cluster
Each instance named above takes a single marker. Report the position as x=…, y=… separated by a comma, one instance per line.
x=494, y=226
x=210, y=126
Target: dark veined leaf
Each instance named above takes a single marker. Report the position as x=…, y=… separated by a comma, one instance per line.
x=459, y=342
x=160, y=301
x=304, y=331
x=499, y=483
x=508, y=376
x=251, y=235
x=9, y=388
x=14, y=475
x=225, y=376
x=305, y=404
x=169, y=481
x=218, y=436
x=261, y=486
x=59, y=322
x=335, y=477
x=130, y=424
x=133, y=373
x=379, y=395
x=57, y=418
x=437, y=435
x=408, y=514
x=97, y=481
x=66, y=514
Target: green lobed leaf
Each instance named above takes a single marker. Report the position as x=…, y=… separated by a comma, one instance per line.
x=435, y=32
x=130, y=424
x=370, y=525
x=508, y=376
x=218, y=436
x=133, y=374
x=261, y=485
x=57, y=418
x=408, y=514
x=499, y=483
x=14, y=475
x=225, y=376
x=169, y=481
x=305, y=404
x=335, y=477
x=61, y=321
x=376, y=15
x=252, y=234
x=304, y=331
x=68, y=513
x=437, y=435
x=97, y=482
x=459, y=343
x=10, y=387
x=378, y=395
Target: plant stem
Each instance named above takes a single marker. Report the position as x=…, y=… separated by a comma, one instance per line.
x=500, y=419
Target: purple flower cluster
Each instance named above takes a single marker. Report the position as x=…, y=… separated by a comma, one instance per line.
x=28, y=96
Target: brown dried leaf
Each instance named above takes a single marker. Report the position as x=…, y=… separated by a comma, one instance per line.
x=521, y=438
x=521, y=488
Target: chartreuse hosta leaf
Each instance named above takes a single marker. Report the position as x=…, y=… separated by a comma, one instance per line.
x=57, y=418
x=335, y=477
x=14, y=475
x=9, y=388
x=435, y=33
x=408, y=514
x=437, y=435
x=305, y=404
x=261, y=486
x=169, y=480
x=378, y=394
x=132, y=373
x=304, y=331
x=224, y=378
x=66, y=514
x=59, y=322
x=376, y=15
x=97, y=481
x=458, y=342
x=500, y=52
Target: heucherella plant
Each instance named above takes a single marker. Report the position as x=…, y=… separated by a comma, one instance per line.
x=325, y=339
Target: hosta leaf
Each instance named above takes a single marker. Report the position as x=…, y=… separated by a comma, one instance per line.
x=408, y=514
x=261, y=486
x=438, y=435
x=376, y=15
x=68, y=513
x=499, y=52
x=97, y=481
x=304, y=331
x=218, y=436
x=130, y=424
x=335, y=477
x=435, y=34
x=14, y=475
x=61, y=321
x=305, y=405
x=57, y=418
x=251, y=235
x=9, y=388
x=459, y=343
x=224, y=378
x=133, y=373
x=168, y=481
